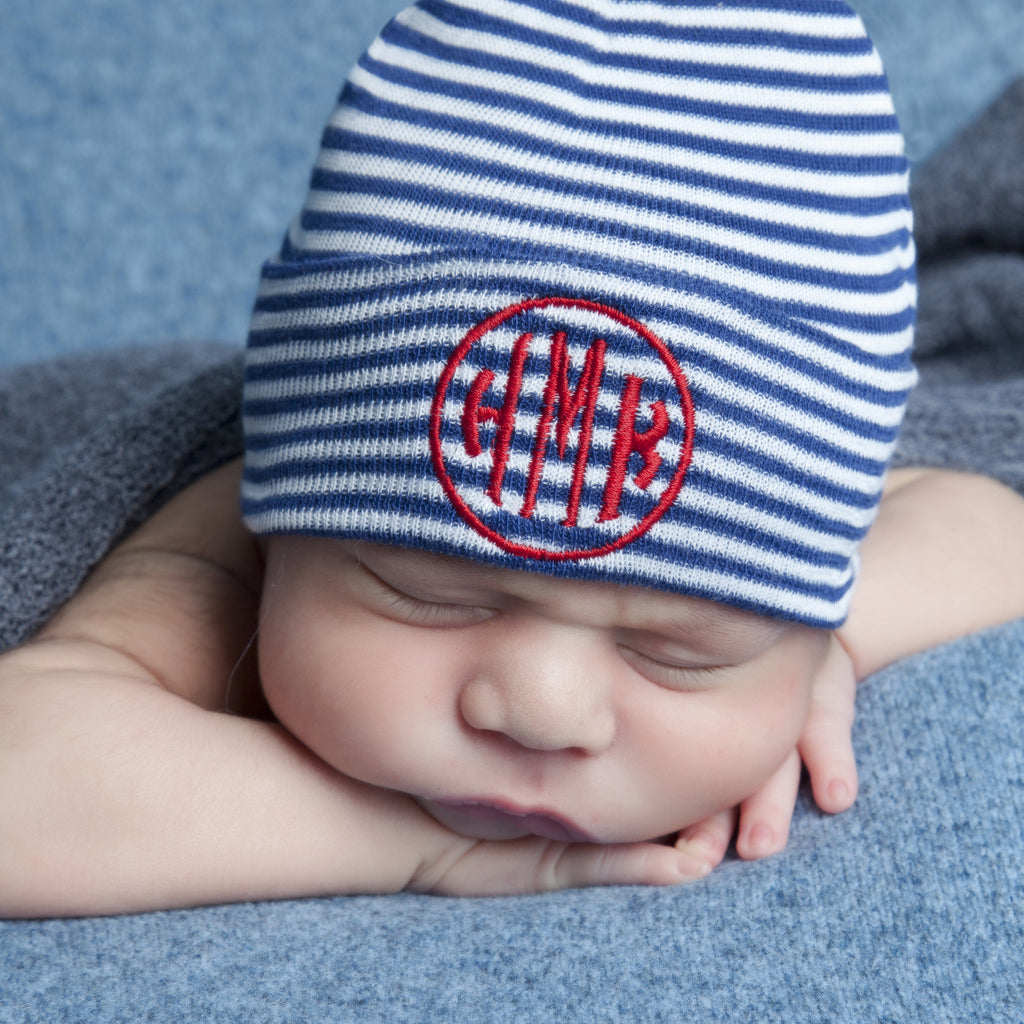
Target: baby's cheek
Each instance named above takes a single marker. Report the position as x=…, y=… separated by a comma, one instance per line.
x=757, y=735
x=296, y=672
x=777, y=728
x=280, y=673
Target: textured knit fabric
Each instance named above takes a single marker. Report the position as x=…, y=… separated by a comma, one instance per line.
x=909, y=907
x=603, y=289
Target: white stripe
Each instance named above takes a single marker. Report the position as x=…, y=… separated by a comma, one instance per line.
x=561, y=279
x=316, y=386
x=761, y=402
x=763, y=97
x=383, y=522
x=744, y=517
x=781, y=489
x=618, y=144
x=428, y=489
x=417, y=447
x=352, y=121
x=857, y=302
x=681, y=16
x=731, y=470
x=765, y=404
x=649, y=48
x=335, y=415
x=800, y=459
x=901, y=341
x=625, y=563
x=413, y=447
x=633, y=217
x=708, y=424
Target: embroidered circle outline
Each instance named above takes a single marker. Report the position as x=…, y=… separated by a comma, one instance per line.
x=451, y=367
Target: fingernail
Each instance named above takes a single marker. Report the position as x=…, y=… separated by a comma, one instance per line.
x=838, y=791
x=761, y=839
x=697, y=869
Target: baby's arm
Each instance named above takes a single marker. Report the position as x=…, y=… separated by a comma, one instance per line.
x=944, y=558
x=126, y=785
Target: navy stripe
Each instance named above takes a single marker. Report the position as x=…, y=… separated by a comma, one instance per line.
x=409, y=38
x=439, y=235
x=769, y=430
x=831, y=8
x=523, y=286
x=709, y=561
x=508, y=136
x=627, y=200
x=898, y=362
x=677, y=517
x=801, y=42
x=508, y=107
x=690, y=358
x=355, y=143
x=761, y=460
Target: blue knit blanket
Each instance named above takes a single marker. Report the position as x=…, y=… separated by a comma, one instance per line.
x=908, y=907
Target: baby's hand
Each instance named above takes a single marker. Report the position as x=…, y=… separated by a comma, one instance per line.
x=471, y=867
x=761, y=822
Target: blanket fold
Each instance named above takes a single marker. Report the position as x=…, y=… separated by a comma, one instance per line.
x=968, y=410
x=908, y=907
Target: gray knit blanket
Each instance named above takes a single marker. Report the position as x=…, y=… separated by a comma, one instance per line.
x=909, y=907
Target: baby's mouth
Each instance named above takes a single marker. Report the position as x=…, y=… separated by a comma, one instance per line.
x=487, y=819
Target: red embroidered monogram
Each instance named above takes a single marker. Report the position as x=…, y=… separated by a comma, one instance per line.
x=561, y=428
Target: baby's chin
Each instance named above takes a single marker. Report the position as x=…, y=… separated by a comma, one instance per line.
x=484, y=820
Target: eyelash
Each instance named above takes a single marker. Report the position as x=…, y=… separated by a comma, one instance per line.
x=676, y=677
x=429, y=614
x=438, y=615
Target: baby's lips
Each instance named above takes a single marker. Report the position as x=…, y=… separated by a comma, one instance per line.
x=535, y=822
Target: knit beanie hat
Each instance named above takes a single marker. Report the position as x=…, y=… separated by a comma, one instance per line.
x=616, y=290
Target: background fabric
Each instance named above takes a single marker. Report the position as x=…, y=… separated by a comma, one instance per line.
x=142, y=178
x=968, y=410
x=907, y=908
x=151, y=155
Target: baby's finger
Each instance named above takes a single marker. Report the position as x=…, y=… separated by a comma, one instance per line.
x=541, y=865
x=765, y=816
x=709, y=839
x=623, y=864
x=825, y=744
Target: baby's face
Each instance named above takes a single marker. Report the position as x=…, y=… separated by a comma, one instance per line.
x=510, y=703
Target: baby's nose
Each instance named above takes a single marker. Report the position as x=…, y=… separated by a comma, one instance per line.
x=545, y=690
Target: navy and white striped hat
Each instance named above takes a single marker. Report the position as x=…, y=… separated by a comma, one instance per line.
x=605, y=289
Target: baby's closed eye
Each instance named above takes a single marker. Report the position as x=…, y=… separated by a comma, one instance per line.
x=676, y=675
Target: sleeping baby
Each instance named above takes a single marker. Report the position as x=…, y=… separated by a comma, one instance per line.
x=565, y=527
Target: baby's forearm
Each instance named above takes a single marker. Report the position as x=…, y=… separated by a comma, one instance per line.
x=118, y=796
x=945, y=558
